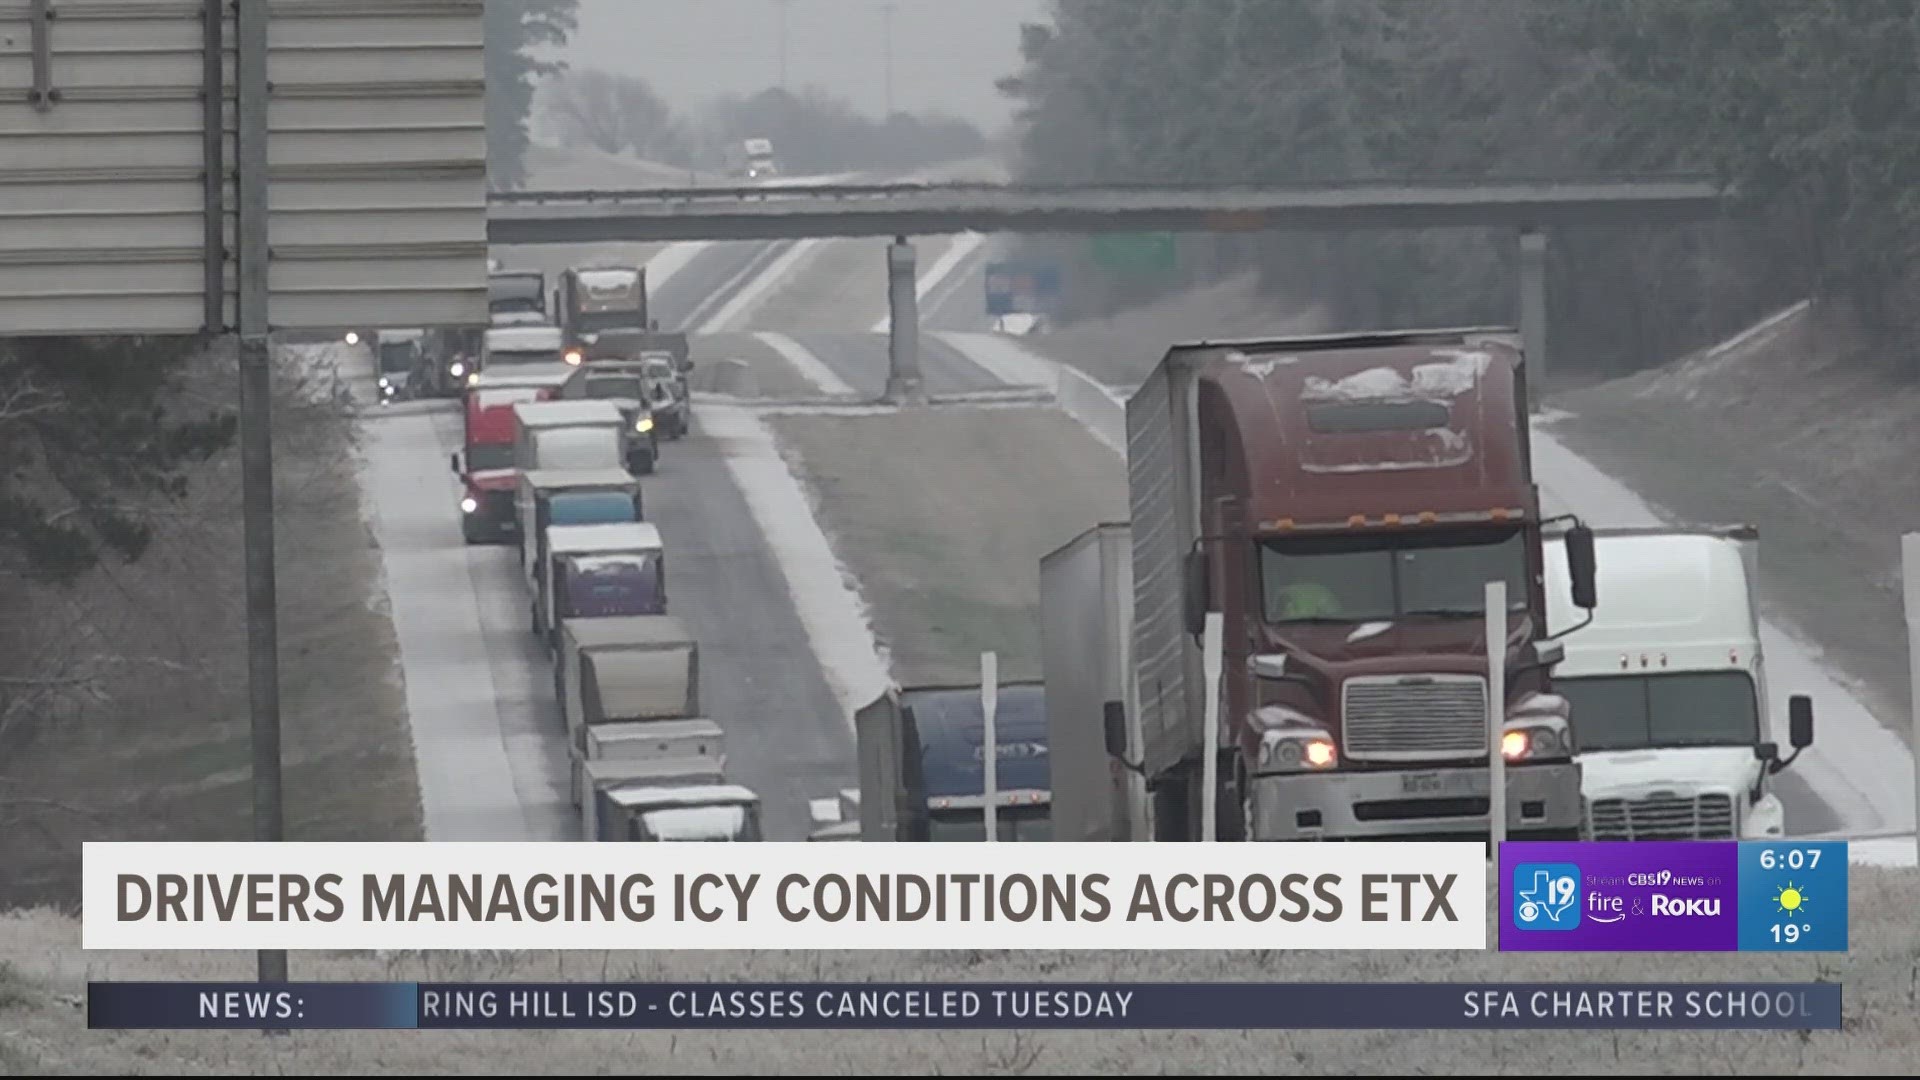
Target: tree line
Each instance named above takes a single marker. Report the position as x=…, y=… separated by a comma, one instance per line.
x=1809, y=106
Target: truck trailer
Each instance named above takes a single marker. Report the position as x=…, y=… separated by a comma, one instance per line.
x=1342, y=502
x=1669, y=689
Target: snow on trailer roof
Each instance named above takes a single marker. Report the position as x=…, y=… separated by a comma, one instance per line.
x=539, y=414
x=638, y=798
x=606, y=537
x=528, y=338
x=656, y=729
x=608, y=278
x=663, y=630
x=541, y=479
x=539, y=376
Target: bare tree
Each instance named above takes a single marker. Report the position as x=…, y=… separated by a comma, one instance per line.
x=613, y=113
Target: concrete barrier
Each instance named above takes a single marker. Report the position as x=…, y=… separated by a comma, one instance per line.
x=1098, y=409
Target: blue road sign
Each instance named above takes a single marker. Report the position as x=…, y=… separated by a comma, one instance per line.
x=1015, y=288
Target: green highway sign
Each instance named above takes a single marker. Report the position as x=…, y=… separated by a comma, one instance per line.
x=1137, y=252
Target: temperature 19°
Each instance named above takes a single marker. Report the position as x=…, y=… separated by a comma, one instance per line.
x=1790, y=859
x=1789, y=933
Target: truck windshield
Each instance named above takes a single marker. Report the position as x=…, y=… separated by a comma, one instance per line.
x=593, y=322
x=615, y=386
x=578, y=448
x=1685, y=708
x=1362, y=579
x=484, y=456
x=1014, y=824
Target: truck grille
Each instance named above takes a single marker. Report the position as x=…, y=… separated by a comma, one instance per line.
x=497, y=505
x=1662, y=817
x=1414, y=717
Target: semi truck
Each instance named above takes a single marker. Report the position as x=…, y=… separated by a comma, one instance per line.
x=523, y=345
x=603, y=314
x=516, y=292
x=640, y=669
x=485, y=464
x=752, y=158
x=624, y=383
x=922, y=752
x=689, y=811
x=569, y=435
x=1669, y=690
x=1342, y=501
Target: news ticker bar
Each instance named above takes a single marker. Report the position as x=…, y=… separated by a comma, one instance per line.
x=904, y=1006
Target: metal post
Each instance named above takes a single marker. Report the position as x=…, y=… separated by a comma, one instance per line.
x=213, y=113
x=1496, y=713
x=1533, y=311
x=781, y=7
x=256, y=443
x=887, y=51
x=990, y=743
x=903, y=312
x=1910, y=577
x=1210, y=763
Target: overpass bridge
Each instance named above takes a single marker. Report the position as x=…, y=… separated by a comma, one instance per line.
x=905, y=210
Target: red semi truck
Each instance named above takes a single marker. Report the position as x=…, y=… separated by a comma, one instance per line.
x=485, y=465
x=1342, y=501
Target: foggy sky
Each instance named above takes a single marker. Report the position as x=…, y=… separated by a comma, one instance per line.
x=946, y=53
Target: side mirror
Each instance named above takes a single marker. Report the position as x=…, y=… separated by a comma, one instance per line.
x=455, y=458
x=1800, y=721
x=1114, y=715
x=1197, y=582
x=1580, y=566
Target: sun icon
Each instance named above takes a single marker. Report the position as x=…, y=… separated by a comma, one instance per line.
x=1790, y=899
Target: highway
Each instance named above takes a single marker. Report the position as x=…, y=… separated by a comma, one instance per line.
x=809, y=317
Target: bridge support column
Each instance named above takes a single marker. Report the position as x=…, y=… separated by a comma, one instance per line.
x=903, y=310
x=1533, y=312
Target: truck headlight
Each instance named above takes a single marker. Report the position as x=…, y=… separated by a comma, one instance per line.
x=644, y=424
x=469, y=504
x=384, y=383
x=1535, y=741
x=574, y=357
x=458, y=369
x=1292, y=741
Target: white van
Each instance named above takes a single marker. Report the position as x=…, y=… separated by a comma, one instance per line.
x=1668, y=686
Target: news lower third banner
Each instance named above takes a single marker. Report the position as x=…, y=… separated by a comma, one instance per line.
x=1004, y=1006
x=1683, y=896
x=783, y=896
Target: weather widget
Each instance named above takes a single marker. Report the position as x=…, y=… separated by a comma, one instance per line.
x=1793, y=897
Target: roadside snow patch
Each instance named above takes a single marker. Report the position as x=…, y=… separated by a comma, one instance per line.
x=823, y=590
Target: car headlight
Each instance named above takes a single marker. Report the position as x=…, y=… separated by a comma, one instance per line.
x=458, y=370
x=573, y=357
x=643, y=424
x=353, y=338
x=473, y=379
x=384, y=383
x=469, y=504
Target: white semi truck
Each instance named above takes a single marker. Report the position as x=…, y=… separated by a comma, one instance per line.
x=1668, y=685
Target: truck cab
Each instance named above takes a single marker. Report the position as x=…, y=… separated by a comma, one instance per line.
x=398, y=356
x=1342, y=501
x=1667, y=680
x=488, y=475
x=516, y=292
x=923, y=772
x=757, y=160
x=592, y=301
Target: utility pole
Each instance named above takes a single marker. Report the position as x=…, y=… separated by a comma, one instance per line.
x=256, y=440
x=780, y=7
x=887, y=49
